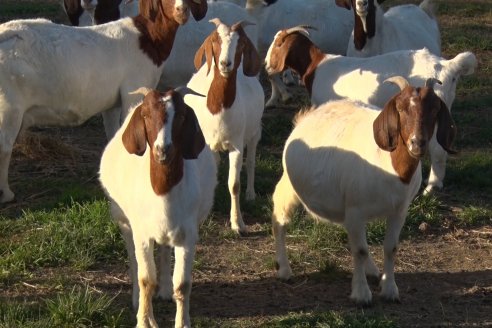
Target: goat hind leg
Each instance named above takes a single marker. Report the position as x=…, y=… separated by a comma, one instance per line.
x=184, y=256
x=284, y=202
x=10, y=126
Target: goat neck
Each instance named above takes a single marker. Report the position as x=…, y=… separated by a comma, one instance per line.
x=164, y=176
x=222, y=92
x=157, y=36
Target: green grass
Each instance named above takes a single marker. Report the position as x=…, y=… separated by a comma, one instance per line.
x=77, y=236
x=78, y=307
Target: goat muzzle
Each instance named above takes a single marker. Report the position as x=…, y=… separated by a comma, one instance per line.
x=163, y=154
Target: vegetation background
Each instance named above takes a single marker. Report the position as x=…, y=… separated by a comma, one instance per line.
x=63, y=263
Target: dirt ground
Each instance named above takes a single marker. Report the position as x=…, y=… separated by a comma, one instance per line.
x=444, y=276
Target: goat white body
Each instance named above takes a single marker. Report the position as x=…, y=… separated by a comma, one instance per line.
x=333, y=27
x=179, y=68
x=232, y=129
x=361, y=79
x=400, y=28
x=171, y=220
x=333, y=166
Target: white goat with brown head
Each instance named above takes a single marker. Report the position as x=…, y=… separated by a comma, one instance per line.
x=41, y=85
x=330, y=77
x=161, y=188
x=230, y=115
x=400, y=28
x=350, y=162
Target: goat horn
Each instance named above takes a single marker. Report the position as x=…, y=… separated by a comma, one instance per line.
x=399, y=81
x=184, y=90
x=216, y=21
x=197, y=2
x=431, y=81
x=142, y=91
x=242, y=23
x=303, y=29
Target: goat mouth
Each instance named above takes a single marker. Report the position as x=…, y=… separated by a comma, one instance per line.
x=417, y=154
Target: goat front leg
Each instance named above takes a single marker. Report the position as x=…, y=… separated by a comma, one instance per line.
x=284, y=203
x=389, y=290
x=165, y=280
x=184, y=256
x=111, y=120
x=144, y=252
x=356, y=230
x=10, y=125
x=437, y=172
x=250, y=165
x=235, y=163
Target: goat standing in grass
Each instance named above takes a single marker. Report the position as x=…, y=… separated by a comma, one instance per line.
x=160, y=177
x=230, y=115
x=54, y=74
x=330, y=77
x=400, y=28
x=349, y=162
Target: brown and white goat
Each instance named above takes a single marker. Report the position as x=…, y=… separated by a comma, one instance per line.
x=61, y=75
x=349, y=162
x=329, y=77
x=161, y=188
x=402, y=27
x=230, y=115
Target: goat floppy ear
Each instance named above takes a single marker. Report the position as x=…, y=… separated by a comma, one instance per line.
x=192, y=136
x=134, y=137
x=251, y=59
x=446, y=129
x=347, y=4
x=148, y=9
x=207, y=50
x=386, y=126
x=198, y=9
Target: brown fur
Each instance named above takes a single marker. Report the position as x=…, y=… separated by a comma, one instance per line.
x=158, y=23
x=187, y=138
x=398, y=121
x=360, y=36
x=222, y=91
x=297, y=52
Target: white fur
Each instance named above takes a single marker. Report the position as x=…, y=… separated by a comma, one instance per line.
x=179, y=67
x=338, y=77
x=232, y=129
x=333, y=166
x=400, y=28
x=170, y=220
x=333, y=27
x=45, y=77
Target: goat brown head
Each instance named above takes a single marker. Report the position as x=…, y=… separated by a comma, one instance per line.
x=226, y=45
x=410, y=116
x=166, y=124
x=177, y=10
x=286, y=47
x=364, y=19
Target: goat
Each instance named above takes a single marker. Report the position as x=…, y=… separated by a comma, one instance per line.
x=350, y=162
x=328, y=77
x=162, y=187
x=40, y=85
x=333, y=28
x=230, y=115
x=178, y=67
x=402, y=27
x=95, y=12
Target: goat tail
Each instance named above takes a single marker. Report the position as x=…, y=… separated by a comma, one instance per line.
x=428, y=6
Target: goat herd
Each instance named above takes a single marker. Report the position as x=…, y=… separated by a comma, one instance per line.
x=353, y=157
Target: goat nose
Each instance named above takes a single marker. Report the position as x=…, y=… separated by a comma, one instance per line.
x=225, y=63
x=417, y=143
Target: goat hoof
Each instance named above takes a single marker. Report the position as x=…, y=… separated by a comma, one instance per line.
x=250, y=196
x=284, y=273
x=6, y=196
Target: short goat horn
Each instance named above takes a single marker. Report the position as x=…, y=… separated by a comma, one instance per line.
x=399, y=81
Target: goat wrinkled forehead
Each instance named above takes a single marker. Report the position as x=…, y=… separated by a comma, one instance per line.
x=226, y=33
